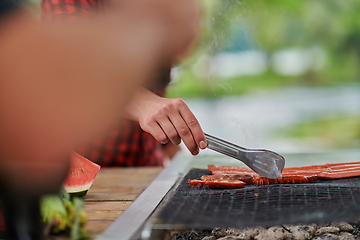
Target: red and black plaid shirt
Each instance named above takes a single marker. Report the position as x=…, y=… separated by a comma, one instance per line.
x=127, y=145
x=68, y=9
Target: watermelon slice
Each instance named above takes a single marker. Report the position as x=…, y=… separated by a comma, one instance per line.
x=81, y=175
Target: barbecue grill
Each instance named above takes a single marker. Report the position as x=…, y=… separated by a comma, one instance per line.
x=169, y=203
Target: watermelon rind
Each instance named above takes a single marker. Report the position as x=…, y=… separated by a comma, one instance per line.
x=78, y=194
x=81, y=175
x=79, y=188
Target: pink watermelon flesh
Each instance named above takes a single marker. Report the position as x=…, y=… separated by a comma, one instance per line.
x=81, y=175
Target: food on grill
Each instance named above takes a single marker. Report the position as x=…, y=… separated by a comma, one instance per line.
x=283, y=180
x=258, y=180
x=81, y=175
x=227, y=176
x=218, y=183
x=341, y=170
x=242, y=177
x=308, y=170
x=216, y=170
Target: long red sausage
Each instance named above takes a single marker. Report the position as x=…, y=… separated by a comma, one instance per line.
x=284, y=180
x=329, y=170
x=217, y=184
x=221, y=170
x=260, y=180
x=236, y=176
x=340, y=173
x=242, y=177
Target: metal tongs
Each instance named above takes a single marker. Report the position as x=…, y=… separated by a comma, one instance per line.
x=264, y=162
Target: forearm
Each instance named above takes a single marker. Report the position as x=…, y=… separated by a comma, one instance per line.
x=139, y=102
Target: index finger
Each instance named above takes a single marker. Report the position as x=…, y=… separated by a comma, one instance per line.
x=194, y=126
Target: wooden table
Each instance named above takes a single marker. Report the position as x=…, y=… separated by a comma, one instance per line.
x=112, y=192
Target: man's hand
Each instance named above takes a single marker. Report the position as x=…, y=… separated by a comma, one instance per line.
x=168, y=120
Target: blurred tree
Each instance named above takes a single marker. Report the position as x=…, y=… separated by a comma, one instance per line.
x=283, y=23
x=273, y=25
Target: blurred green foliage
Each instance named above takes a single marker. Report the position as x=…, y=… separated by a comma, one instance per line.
x=337, y=132
x=35, y=2
x=270, y=26
x=190, y=86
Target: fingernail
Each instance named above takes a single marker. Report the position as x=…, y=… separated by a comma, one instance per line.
x=202, y=144
x=196, y=152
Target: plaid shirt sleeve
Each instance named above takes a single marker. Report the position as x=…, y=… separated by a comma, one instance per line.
x=68, y=9
x=126, y=146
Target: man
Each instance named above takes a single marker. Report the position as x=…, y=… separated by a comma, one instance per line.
x=62, y=84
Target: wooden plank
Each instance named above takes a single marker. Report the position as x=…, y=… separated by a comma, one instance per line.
x=100, y=215
x=112, y=192
x=105, y=210
x=121, y=183
x=105, y=195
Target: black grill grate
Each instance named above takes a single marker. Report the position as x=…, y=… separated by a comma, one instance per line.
x=323, y=201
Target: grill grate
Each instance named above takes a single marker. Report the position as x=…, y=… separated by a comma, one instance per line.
x=323, y=201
